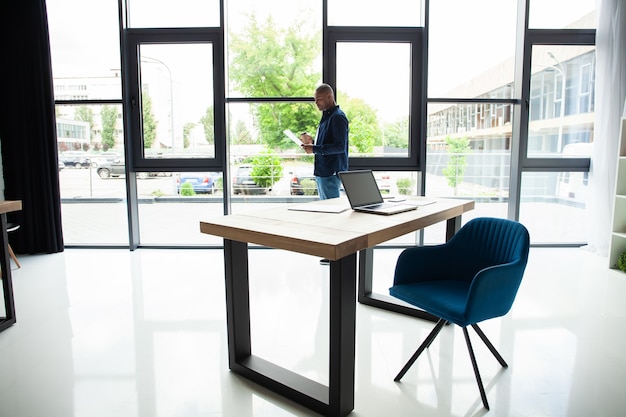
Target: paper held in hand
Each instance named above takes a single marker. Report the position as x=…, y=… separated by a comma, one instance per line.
x=293, y=137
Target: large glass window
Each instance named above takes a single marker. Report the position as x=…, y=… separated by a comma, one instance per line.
x=379, y=117
x=375, y=13
x=470, y=56
x=84, y=46
x=561, y=14
x=91, y=174
x=199, y=145
x=177, y=100
x=553, y=206
x=273, y=50
x=561, y=117
x=170, y=14
x=469, y=154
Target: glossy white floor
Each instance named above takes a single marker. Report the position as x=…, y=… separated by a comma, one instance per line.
x=120, y=333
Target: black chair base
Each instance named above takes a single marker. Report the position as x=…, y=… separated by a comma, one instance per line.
x=431, y=337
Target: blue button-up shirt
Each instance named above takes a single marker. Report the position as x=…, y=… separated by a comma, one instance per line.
x=331, y=143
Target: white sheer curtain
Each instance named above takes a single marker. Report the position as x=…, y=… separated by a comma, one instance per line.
x=610, y=101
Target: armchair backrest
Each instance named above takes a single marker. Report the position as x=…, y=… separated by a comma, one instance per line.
x=492, y=241
x=501, y=247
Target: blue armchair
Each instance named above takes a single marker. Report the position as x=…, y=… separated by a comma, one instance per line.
x=471, y=278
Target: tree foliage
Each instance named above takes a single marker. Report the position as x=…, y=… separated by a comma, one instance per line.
x=270, y=61
x=208, y=122
x=455, y=168
x=85, y=114
x=396, y=134
x=108, y=114
x=364, y=130
x=267, y=168
x=187, y=128
x=241, y=135
x=149, y=122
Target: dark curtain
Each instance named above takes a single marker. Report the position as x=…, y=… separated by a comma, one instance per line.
x=28, y=128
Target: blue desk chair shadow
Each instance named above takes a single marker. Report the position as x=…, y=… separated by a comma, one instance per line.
x=471, y=278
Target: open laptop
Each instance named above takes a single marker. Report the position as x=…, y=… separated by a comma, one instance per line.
x=364, y=195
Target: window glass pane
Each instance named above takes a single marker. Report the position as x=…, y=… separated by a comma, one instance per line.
x=562, y=14
x=379, y=117
x=561, y=119
x=553, y=206
x=93, y=206
x=469, y=156
x=273, y=50
x=181, y=13
x=461, y=65
x=266, y=166
x=375, y=13
x=84, y=66
x=172, y=204
x=177, y=100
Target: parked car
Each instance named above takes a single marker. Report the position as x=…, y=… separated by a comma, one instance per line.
x=103, y=157
x=303, y=182
x=111, y=169
x=116, y=168
x=201, y=182
x=243, y=183
x=76, y=159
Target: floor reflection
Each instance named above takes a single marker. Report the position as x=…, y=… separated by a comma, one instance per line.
x=143, y=333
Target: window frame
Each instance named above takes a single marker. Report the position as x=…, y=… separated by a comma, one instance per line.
x=133, y=38
x=333, y=35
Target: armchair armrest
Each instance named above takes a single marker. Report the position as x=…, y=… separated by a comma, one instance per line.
x=493, y=291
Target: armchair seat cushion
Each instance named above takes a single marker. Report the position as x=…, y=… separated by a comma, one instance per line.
x=446, y=299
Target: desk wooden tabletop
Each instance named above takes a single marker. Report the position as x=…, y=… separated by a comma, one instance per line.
x=7, y=206
x=328, y=235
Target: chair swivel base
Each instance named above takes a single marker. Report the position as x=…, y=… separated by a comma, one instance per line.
x=431, y=337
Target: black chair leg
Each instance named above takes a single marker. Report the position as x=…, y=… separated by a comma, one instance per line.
x=426, y=343
x=490, y=346
x=475, y=366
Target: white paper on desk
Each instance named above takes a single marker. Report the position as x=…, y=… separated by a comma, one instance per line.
x=418, y=201
x=293, y=137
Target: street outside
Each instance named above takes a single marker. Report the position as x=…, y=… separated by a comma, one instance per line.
x=95, y=212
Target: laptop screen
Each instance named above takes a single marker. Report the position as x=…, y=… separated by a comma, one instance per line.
x=361, y=187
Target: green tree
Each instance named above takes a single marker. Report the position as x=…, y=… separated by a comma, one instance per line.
x=208, y=122
x=455, y=169
x=149, y=123
x=270, y=61
x=187, y=128
x=242, y=134
x=364, y=130
x=85, y=114
x=109, y=120
x=267, y=168
x=396, y=134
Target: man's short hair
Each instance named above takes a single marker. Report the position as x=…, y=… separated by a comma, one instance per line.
x=325, y=88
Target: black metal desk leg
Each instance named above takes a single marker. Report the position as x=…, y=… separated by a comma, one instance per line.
x=452, y=226
x=383, y=301
x=342, y=335
x=237, y=301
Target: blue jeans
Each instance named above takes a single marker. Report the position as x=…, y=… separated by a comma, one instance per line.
x=328, y=187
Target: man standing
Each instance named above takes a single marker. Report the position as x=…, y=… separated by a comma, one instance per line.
x=331, y=143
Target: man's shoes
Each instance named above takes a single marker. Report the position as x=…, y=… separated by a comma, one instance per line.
x=324, y=261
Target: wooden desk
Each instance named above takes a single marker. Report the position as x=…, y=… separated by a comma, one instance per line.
x=8, y=319
x=338, y=237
